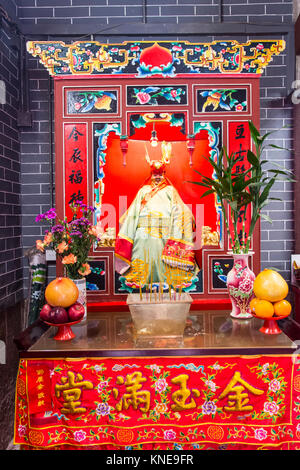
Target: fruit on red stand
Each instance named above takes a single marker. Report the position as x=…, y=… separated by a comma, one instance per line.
x=61, y=292
x=269, y=285
x=58, y=315
x=76, y=312
x=45, y=312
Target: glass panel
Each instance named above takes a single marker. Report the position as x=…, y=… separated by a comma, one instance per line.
x=204, y=330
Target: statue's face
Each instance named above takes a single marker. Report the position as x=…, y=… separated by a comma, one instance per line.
x=156, y=179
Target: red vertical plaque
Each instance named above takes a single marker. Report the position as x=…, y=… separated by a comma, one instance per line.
x=75, y=167
x=239, y=143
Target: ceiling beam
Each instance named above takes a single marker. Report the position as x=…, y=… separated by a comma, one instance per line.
x=163, y=29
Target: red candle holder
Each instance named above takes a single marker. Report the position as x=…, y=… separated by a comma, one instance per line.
x=270, y=326
x=64, y=330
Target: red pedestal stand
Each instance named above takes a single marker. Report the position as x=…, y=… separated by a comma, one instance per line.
x=64, y=332
x=270, y=326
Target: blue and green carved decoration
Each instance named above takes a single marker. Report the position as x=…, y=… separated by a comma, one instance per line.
x=101, y=132
x=222, y=100
x=214, y=130
x=93, y=102
x=156, y=95
x=155, y=58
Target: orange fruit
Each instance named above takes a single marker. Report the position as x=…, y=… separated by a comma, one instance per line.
x=61, y=292
x=282, y=308
x=270, y=285
x=253, y=303
x=264, y=309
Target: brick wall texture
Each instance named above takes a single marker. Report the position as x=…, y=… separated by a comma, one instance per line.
x=11, y=273
x=34, y=186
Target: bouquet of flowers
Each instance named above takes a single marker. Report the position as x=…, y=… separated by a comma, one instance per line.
x=71, y=240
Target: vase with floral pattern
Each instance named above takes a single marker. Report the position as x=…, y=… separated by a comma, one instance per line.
x=240, y=286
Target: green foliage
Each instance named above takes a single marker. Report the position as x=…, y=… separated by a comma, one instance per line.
x=239, y=190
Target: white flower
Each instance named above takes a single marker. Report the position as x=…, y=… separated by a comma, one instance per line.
x=210, y=384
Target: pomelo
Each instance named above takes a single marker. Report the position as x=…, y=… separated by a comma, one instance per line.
x=270, y=285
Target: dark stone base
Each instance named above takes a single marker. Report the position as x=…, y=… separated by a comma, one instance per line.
x=11, y=323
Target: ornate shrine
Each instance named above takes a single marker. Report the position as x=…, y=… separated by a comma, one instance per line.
x=112, y=99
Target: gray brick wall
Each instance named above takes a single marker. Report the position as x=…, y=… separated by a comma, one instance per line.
x=11, y=274
x=101, y=12
x=276, y=110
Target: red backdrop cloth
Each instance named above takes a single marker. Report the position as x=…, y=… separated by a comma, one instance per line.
x=234, y=402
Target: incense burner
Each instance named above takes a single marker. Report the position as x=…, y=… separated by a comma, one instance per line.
x=159, y=321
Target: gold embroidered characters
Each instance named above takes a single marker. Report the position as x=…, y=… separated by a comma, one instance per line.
x=134, y=396
x=71, y=392
x=237, y=397
x=181, y=396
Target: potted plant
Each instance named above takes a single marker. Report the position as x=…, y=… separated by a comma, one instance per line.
x=240, y=191
x=72, y=241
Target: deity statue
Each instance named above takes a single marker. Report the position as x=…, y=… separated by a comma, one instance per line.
x=155, y=240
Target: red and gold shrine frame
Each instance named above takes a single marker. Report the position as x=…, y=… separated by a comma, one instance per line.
x=201, y=402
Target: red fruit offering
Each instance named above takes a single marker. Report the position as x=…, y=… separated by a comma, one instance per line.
x=76, y=312
x=45, y=312
x=58, y=315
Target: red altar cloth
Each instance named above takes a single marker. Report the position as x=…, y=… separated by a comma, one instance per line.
x=169, y=403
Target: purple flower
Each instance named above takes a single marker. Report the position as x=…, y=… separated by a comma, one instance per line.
x=49, y=215
x=57, y=228
x=76, y=233
x=103, y=409
x=209, y=408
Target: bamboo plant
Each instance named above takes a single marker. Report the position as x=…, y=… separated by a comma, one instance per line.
x=239, y=190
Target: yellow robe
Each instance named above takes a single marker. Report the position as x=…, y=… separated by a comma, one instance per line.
x=155, y=241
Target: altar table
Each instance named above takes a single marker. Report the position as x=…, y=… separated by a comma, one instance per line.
x=228, y=386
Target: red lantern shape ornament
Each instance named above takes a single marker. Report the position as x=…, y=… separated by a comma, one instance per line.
x=124, y=147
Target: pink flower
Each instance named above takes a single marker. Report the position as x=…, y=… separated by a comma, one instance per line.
x=271, y=407
x=260, y=47
x=77, y=106
x=246, y=285
x=79, y=435
x=48, y=239
x=22, y=430
x=85, y=269
x=161, y=385
x=143, y=97
x=239, y=107
x=102, y=385
x=174, y=93
x=169, y=434
x=63, y=246
x=40, y=245
x=260, y=434
x=210, y=384
x=274, y=385
x=70, y=259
